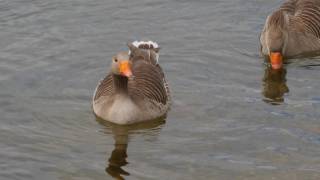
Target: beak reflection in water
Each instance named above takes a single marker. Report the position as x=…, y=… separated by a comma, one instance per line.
x=274, y=85
x=122, y=134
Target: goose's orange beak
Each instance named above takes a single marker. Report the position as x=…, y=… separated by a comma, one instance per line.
x=125, y=68
x=276, y=60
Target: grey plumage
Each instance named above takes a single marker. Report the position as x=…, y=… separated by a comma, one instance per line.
x=147, y=90
x=293, y=29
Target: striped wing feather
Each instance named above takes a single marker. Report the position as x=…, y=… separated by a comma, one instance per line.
x=289, y=7
x=308, y=12
x=148, y=83
x=104, y=88
x=304, y=13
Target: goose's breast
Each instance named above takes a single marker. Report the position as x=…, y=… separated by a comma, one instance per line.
x=123, y=110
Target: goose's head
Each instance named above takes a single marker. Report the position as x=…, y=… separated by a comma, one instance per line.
x=121, y=65
x=277, y=37
x=276, y=46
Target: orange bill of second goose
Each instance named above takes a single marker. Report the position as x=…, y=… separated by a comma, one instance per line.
x=135, y=89
x=293, y=30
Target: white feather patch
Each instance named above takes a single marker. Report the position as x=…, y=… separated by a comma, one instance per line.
x=138, y=43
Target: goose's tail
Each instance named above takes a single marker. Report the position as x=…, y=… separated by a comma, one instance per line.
x=147, y=45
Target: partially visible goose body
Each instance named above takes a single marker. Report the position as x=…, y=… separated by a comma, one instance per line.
x=291, y=31
x=135, y=90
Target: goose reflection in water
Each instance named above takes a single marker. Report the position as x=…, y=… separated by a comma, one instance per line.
x=122, y=135
x=274, y=85
x=118, y=158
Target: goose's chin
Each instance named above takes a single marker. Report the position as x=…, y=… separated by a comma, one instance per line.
x=127, y=74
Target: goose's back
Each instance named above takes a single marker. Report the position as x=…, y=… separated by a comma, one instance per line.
x=304, y=15
x=308, y=12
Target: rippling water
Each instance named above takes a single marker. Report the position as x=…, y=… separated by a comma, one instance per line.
x=232, y=117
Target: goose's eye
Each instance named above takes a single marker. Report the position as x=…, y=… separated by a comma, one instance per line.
x=115, y=60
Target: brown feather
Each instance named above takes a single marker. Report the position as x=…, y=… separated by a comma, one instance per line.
x=293, y=29
x=148, y=82
x=104, y=88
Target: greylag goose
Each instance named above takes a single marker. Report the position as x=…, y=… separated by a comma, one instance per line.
x=135, y=90
x=292, y=31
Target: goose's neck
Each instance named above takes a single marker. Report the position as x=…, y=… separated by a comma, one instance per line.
x=120, y=83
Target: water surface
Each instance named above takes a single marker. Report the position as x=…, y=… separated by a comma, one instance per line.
x=232, y=117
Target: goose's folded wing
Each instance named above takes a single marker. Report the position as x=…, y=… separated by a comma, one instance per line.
x=104, y=88
x=149, y=83
x=307, y=15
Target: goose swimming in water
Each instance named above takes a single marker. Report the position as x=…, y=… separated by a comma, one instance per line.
x=292, y=30
x=135, y=90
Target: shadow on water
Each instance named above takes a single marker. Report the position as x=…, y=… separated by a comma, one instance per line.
x=118, y=158
x=274, y=85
